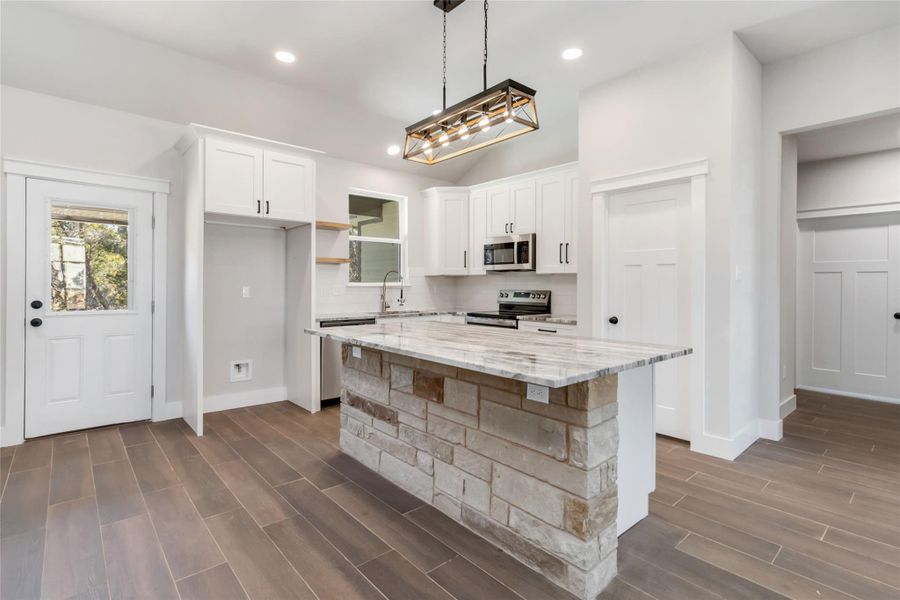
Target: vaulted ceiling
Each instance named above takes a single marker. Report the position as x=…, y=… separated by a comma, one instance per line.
x=365, y=70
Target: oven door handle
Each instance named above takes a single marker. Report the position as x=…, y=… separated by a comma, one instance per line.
x=507, y=323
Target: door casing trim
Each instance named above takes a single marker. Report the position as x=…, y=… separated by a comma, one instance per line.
x=694, y=173
x=12, y=257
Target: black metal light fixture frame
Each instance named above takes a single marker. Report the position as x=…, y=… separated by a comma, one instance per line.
x=496, y=114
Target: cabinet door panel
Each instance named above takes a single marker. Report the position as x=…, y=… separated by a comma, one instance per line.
x=288, y=187
x=455, y=234
x=571, y=234
x=477, y=232
x=233, y=178
x=551, y=234
x=498, y=211
x=523, y=207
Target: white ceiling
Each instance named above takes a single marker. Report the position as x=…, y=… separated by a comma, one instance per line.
x=857, y=137
x=370, y=68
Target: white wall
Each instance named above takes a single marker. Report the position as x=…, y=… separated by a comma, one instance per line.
x=861, y=180
x=238, y=328
x=702, y=105
x=841, y=82
x=480, y=292
x=55, y=130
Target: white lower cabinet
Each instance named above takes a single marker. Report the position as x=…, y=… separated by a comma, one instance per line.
x=549, y=328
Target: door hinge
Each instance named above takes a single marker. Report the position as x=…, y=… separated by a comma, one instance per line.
x=152, y=390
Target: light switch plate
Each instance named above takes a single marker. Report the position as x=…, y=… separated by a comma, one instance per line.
x=245, y=291
x=538, y=393
x=357, y=352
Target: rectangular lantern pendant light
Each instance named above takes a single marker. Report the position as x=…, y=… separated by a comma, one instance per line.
x=499, y=113
x=492, y=116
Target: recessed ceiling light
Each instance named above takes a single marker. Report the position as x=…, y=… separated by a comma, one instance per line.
x=285, y=56
x=393, y=150
x=572, y=53
x=435, y=111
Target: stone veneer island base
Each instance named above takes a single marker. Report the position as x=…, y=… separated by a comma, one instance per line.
x=538, y=480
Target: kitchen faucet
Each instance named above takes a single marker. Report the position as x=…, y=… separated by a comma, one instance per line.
x=400, y=301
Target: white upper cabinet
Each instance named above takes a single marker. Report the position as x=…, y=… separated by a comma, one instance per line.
x=557, y=222
x=511, y=208
x=522, y=200
x=499, y=211
x=244, y=180
x=234, y=178
x=477, y=232
x=447, y=240
x=288, y=187
x=458, y=220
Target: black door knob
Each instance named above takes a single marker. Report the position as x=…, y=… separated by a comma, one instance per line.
x=36, y=322
x=897, y=315
x=36, y=304
x=614, y=320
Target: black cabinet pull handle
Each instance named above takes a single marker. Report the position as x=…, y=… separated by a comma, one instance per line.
x=511, y=227
x=567, y=252
x=897, y=315
x=546, y=330
x=258, y=206
x=614, y=320
x=560, y=252
x=36, y=322
x=506, y=228
x=267, y=207
x=36, y=304
x=465, y=259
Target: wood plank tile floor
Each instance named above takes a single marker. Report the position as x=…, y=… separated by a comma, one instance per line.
x=266, y=507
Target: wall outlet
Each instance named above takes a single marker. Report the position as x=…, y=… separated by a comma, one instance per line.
x=245, y=291
x=240, y=370
x=357, y=352
x=538, y=393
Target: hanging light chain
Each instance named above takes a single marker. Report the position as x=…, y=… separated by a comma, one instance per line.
x=484, y=71
x=445, y=61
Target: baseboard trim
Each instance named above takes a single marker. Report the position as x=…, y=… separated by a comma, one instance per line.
x=726, y=448
x=7, y=439
x=788, y=405
x=887, y=399
x=771, y=430
x=244, y=399
x=171, y=410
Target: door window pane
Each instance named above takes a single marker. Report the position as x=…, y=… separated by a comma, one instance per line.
x=370, y=261
x=88, y=258
x=374, y=217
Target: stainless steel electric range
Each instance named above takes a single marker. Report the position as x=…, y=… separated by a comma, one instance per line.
x=512, y=304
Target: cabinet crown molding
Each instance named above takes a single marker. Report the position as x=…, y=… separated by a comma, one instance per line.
x=196, y=131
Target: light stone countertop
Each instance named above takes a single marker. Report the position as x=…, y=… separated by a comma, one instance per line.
x=531, y=357
x=555, y=319
x=392, y=314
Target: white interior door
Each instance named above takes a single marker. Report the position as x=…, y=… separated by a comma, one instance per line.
x=89, y=273
x=649, y=288
x=848, y=289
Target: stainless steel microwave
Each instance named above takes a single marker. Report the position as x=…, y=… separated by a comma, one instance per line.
x=509, y=253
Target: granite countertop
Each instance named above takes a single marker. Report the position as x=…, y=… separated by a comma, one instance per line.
x=555, y=319
x=531, y=357
x=392, y=314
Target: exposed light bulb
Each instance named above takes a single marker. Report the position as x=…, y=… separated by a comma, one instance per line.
x=464, y=130
x=426, y=145
x=485, y=123
x=428, y=151
x=443, y=139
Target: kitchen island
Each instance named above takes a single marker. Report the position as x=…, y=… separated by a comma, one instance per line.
x=541, y=444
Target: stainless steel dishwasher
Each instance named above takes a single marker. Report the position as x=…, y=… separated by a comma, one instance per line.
x=330, y=358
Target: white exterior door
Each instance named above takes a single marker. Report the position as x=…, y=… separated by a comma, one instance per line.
x=848, y=290
x=649, y=289
x=89, y=273
x=288, y=187
x=234, y=183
